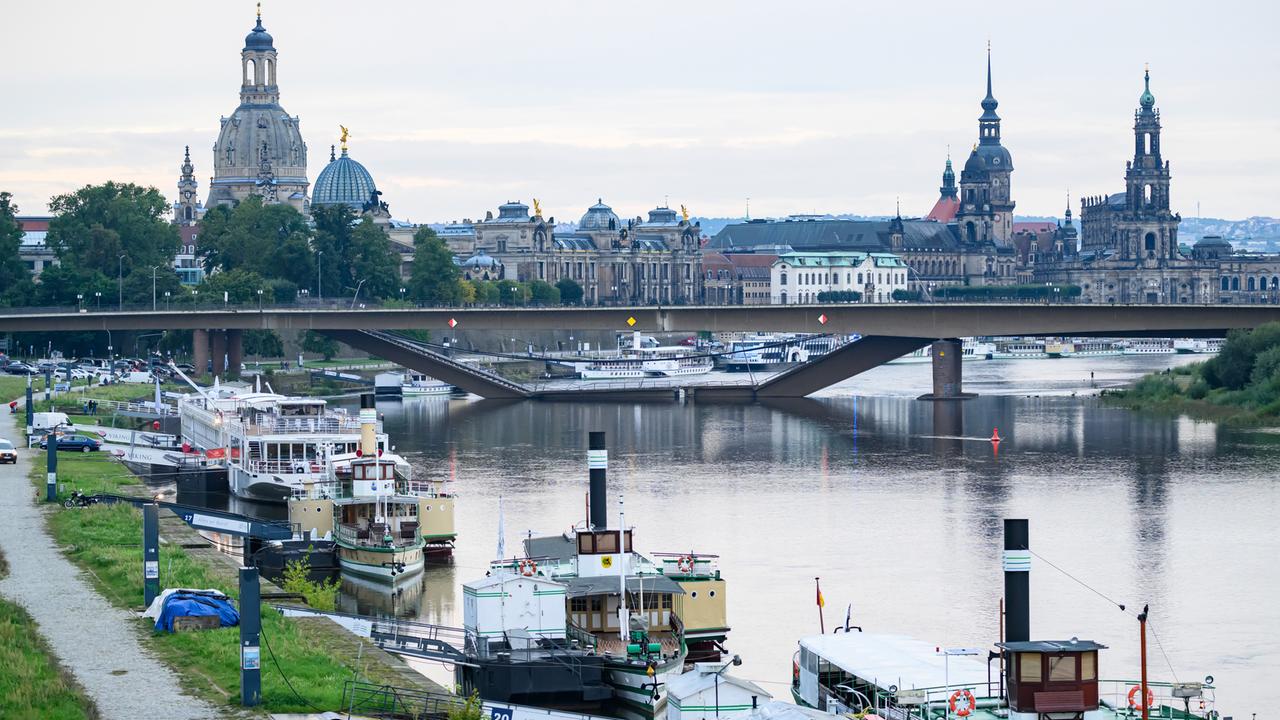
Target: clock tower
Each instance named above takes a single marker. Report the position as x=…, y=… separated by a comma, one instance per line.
x=986, y=204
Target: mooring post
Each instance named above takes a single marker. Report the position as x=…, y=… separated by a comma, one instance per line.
x=51, y=477
x=31, y=420
x=150, y=553
x=48, y=383
x=250, y=628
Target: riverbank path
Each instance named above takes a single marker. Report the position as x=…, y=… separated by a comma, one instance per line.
x=95, y=641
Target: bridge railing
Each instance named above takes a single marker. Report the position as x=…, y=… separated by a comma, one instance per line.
x=443, y=359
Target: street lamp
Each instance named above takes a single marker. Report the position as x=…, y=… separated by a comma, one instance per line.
x=259, y=299
x=79, y=302
x=166, y=301
x=357, y=295
x=97, y=297
x=401, y=294
x=153, y=287
x=319, y=289
x=120, y=281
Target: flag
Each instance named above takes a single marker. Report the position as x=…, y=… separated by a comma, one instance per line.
x=821, y=602
x=848, y=616
x=502, y=535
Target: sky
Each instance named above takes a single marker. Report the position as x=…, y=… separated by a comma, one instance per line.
x=805, y=106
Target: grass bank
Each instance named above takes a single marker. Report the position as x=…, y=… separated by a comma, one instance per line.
x=121, y=392
x=106, y=542
x=13, y=387
x=1240, y=386
x=32, y=684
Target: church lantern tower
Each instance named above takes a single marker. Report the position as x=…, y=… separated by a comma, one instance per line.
x=187, y=210
x=986, y=204
x=1152, y=229
x=259, y=150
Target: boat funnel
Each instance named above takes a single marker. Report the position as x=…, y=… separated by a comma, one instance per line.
x=1017, y=582
x=598, y=467
x=368, y=426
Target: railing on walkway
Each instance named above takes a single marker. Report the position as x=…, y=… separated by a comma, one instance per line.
x=411, y=346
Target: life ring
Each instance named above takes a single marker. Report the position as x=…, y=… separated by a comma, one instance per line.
x=528, y=567
x=685, y=564
x=1133, y=699
x=969, y=703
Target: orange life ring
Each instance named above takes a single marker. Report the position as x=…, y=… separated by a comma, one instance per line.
x=969, y=703
x=685, y=564
x=1133, y=699
x=528, y=567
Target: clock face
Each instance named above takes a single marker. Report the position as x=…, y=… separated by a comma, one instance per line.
x=995, y=161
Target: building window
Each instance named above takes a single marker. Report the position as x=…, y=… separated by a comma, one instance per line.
x=1251, y=286
x=783, y=281
x=1226, y=284
x=1235, y=283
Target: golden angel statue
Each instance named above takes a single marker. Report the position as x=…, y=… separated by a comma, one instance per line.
x=345, y=133
x=684, y=213
x=537, y=208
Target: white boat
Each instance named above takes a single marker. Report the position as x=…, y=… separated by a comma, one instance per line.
x=674, y=361
x=397, y=384
x=971, y=350
x=1019, y=350
x=1197, y=345
x=776, y=351
x=271, y=445
x=1081, y=348
x=1149, y=347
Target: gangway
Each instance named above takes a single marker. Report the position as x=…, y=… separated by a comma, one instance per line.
x=390, y=701
x=202, y=518
x=403, y=637
x=416, y=356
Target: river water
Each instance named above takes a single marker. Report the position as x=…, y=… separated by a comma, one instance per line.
x=897, y=506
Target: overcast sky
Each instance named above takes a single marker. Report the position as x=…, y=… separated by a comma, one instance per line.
x=456, y=107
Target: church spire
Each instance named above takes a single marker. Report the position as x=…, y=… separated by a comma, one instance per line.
x=989, y=121
x=948, y=188
x=1147, y=100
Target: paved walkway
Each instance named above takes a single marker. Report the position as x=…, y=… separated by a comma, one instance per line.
x=95, y=641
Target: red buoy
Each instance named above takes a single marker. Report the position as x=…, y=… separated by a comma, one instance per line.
x=995, y=435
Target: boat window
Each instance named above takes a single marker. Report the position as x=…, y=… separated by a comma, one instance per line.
x=578, y=604
x=1089, y=666
x=626, y=541
x=666, y=601
x=1062, y=668
x=607, y=542
x=597, y=603
x=1029, y=667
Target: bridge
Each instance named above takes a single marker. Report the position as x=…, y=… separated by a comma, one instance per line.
x=887, y=331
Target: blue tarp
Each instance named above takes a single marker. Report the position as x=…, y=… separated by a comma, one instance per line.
x=186, y=602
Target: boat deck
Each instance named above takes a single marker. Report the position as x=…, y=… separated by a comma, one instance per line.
x=613, y=645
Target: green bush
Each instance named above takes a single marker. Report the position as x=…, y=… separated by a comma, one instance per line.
x=322, y=595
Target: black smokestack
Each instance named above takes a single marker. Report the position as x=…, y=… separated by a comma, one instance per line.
x=367, y=401
x=598, y=464
x=1017, y=582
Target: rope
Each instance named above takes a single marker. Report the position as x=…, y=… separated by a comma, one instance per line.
x=1160, y=645
x=263, y=632
x=1082, y=583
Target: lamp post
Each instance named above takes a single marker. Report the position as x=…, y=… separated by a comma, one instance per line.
x=120, y=281
x=79, y=302
x=97, y=298
x=259, y=299
x=153, y=287
x=166, y=301
x=401, y=294
x=195, y=298
x=319, y=288
x=357, y=295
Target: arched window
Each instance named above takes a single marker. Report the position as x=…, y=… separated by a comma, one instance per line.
x=1235, y=283
x=783, y=281
x=1251, y=287
x=859, y=278
x=1151, y=238
x=784, y=297
x=1146, y=194
x=1146, y=143
x=271, y=71
x=1226, y=283
x=1275, y=282
x=970, y=232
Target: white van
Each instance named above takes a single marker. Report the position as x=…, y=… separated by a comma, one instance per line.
x=137, y=377
x=49, y=420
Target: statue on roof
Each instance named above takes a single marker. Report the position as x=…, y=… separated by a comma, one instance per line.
x=537, y=208
x=343, y=139
x=684, y=213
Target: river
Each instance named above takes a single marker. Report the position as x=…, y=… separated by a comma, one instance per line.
x=899, y=511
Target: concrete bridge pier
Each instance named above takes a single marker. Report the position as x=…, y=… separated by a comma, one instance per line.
x=235, y=352
x=948, y=371
x=218, y=346
x=200, y=351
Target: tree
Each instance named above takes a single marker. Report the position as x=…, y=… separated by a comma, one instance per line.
x=434, y=279
x=96, y=224
x=262, y=343
x=15, y=280
x=511, y=292
x=544, y=293
x=486, y=292
x=273, y=241
x=315, y=342
x=570, y=291
x=373, y=261
x=241, y=287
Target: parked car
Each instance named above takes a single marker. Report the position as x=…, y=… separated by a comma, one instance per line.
x=19, y=368
x=8, y=454
x=81, y=443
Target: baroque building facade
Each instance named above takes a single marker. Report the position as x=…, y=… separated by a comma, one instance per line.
x=1129, y=249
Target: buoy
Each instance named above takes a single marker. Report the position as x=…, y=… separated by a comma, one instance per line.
x=995, y=435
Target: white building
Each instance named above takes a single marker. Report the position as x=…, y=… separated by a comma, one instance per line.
x=796, y=278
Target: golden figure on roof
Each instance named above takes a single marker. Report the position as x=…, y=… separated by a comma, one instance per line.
x=345, y=133
x=684, y=213
x=537, y=208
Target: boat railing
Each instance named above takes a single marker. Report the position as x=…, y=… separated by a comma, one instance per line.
x=580, y=635
x=298, y=425
x=376, y=537
x=688, y=564
x=285, y=467
x=1167, y=702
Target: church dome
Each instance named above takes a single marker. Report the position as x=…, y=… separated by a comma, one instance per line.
x=258, y=38
x=599, y=217
x=343, y=182
x=994, y=157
